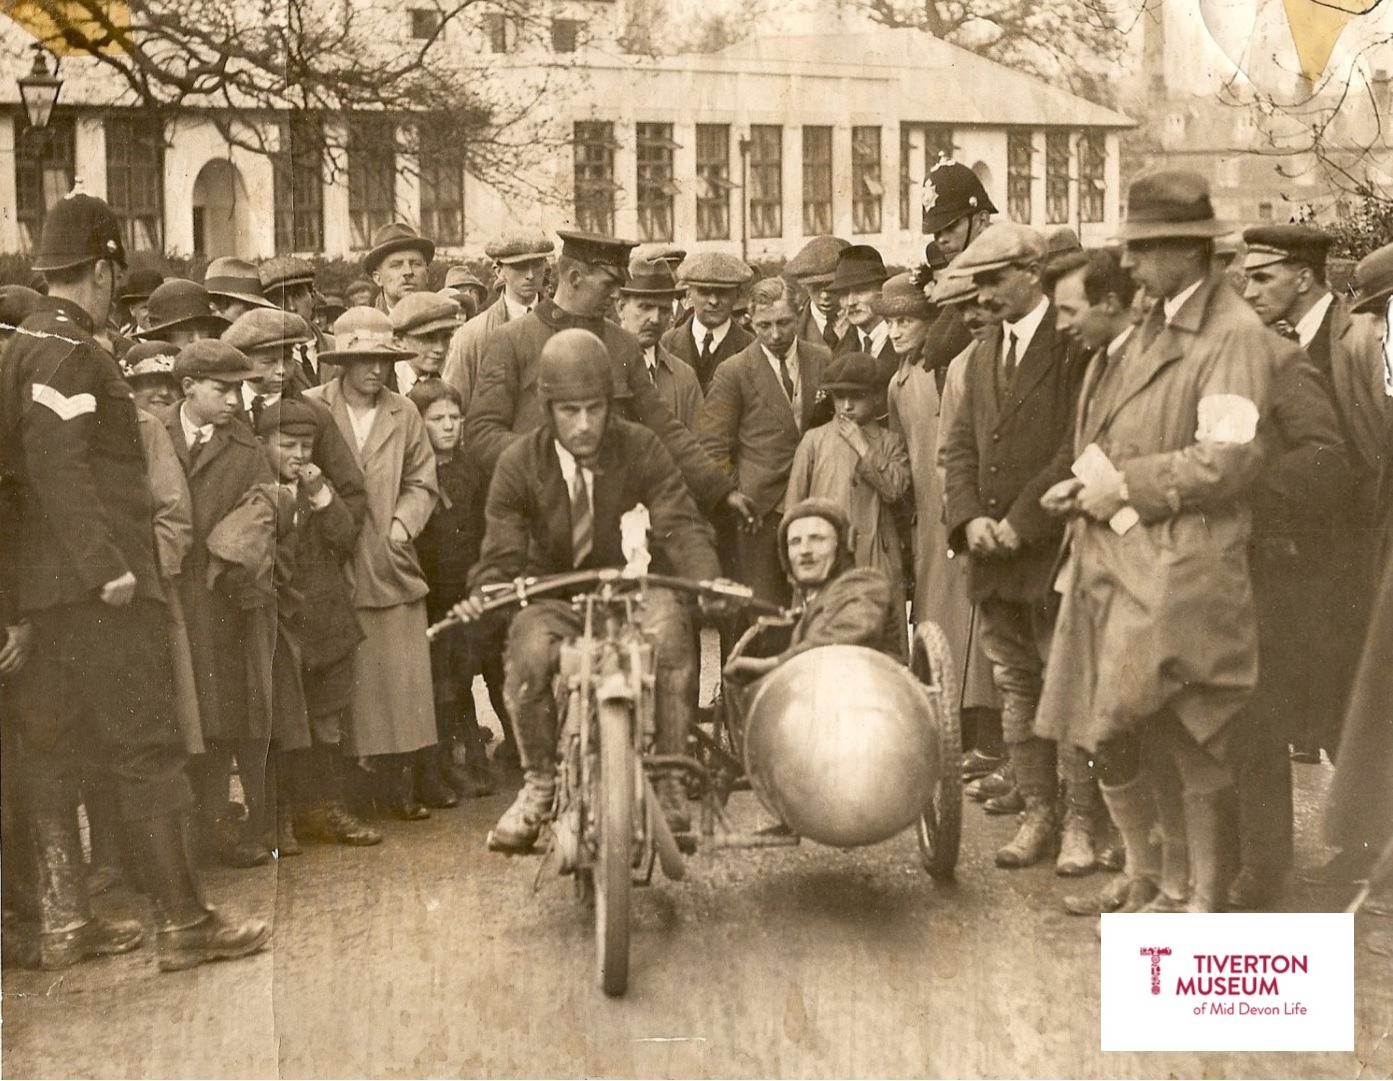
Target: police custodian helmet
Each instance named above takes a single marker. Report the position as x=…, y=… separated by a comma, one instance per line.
x=79, y=229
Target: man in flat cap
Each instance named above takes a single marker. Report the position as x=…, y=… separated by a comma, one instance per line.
x=713, y=281
x=520, y=258
x=96, y=684
x=645, y=311
x=590, y=270
x=424, y=323
x=398, y=263
x=1155, y=651
x=813, y=268
x=234, y=287
x=288, y=283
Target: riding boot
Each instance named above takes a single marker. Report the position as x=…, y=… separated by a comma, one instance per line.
x=521, y=823
x=327, y=819
x=68, y=932
x=1033, y=762
x=400, y=770
x=431, y=780
x=189, y=932
x=1209, y=828
x=675, y=700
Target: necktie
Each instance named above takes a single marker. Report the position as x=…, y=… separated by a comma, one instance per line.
x=650, y=358
x=829, y=335
x=786, y=377
x=196, y=451
x=708, y=350
x=258, y=404
x=582, y=523
x=1008, y=370
x=1286, y=330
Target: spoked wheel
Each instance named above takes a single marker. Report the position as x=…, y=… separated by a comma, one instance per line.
x=940, y=826
x=614, y=806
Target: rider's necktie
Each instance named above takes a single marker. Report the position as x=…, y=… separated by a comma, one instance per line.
x=582, y=520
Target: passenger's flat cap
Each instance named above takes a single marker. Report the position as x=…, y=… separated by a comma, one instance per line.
x=425, y=313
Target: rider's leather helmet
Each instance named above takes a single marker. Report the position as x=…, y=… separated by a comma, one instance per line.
x=574, y=366
x=828, y=511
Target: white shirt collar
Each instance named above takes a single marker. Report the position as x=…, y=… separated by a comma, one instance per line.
x=1175, y=303
x=406, y=376
x=249, y=393
x=650, y=358
x=515, y=310
x=568, y=471
x=193, y=434
x=1311, y=321
x=700, y=330
x=1024, y=328
x=878, y=337
x=819, y=320
x=1115, y=346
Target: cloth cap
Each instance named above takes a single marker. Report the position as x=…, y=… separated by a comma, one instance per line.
x=816, y=261
x=267, y=328
x=209, y=358
x=852, y=371
x=235, y=278
x=330, y=306
x=951, y=192
x=179, y=303
x=519, y=247
x=666, y=253
x=148, y=358
x=79, y=229
x=364, y=334
x=901, y=297
x=283, y=271
x=595, y=249
x=461, y=277
x=140, y=283
x=425, y=313
x=1373, y=280
x=1001, y=245
x=859, y=266
x=650, y=278
x=1271, y=244
x=574, y=366
x=714, y=268
x=1170, y=204
x=950, y=289
x=289, y=416
x=390, y=239
x=1060, y=240
x=828, y=511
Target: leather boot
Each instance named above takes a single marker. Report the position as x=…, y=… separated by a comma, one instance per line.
x=327, y=819
x=68, y=931
x=431, y=779
x=477, y=778
x=1076, y=854
x=1033, y=762
x=189, y=931
x=521, y=823
x=401, y=780
x=1209, y=827
x=1133, y=809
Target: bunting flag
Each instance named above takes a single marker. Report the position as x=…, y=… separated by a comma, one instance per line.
x=74, y=27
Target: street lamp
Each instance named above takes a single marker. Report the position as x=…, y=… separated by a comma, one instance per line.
x=39, y=89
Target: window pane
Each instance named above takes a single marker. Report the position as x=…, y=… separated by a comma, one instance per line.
x=817, y=181
x=1018, y=177
x=43, y=173
x=1092, y=176
x=298, y=169
x=766, y=180
x=655, y=181
x=866, y=187
x=135, y=179
x=1057, y=178
x=594, y=176
x=442, y=195
x=713, y=181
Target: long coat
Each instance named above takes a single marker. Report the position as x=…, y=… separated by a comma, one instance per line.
x=466, y=352
x=506, y=404
x=680, y=343
x=222, y=634
x=678, y=386
x=747, y=426
x=1162, y=616
x=859, y=607
x=1000, y=455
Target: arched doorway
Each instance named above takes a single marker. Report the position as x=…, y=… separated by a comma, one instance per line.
x=984, y=174
x=220, y=211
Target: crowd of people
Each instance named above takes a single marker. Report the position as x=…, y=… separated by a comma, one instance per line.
x=1138, y=486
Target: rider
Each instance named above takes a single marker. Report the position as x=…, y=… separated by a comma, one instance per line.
x=555, y=506
x=842, y=604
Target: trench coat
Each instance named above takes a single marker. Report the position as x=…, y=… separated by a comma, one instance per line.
x=466, y=352
x=1162, y=617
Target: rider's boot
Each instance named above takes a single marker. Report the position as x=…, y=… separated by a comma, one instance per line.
x=1033, y=761
x=672, y=799
x=1076, y=845
x=517, y=830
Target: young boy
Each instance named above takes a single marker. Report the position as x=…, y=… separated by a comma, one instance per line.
x=149, y=369
x=858, y=463
x=448, y=547
x=223, y=461
x=317, y=619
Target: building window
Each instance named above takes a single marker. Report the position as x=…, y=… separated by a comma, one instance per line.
x=766, y=180
x=564, y=35
x=938, y=146
x=1093, y=184
x=501, y=32
x=713, y=181
x=1264, y=211
x=135, y=179
x=43, y=172
x=442, y=196
x=906, y=176
x=1018, y=178
x=425, y=22
x=372, y=178
x=298, y=182
x=866, y=187
x=595, y=187
x=655, y=188
x=1057, y=178
x=817, y=181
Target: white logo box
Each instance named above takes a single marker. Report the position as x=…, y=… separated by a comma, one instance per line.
x=1270, y=981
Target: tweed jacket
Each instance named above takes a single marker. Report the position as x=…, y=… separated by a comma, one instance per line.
x=678, y=386
x=528, y=530
x=747, y=423
x=679, y=342
x=1001, y=453
x=461, y=369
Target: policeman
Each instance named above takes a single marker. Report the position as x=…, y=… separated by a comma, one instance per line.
x=555, y=505
x=98, y=676
x=956, y=210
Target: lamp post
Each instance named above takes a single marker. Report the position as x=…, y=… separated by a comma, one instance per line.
x=39, y=89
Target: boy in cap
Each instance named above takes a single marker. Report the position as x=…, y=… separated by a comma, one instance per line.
x=858, y=463
x=288, y=283
x=813, y=268
x=424, y=324
x=222, y=461
x=645, y=310
x=317, y=615
x=713, y=281
x=149, y=369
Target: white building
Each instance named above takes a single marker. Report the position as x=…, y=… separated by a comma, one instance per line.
x=748, y=150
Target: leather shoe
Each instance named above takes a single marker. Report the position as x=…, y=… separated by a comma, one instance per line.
x=998, y=783
x=1122, y=894
x=1012, y=803
x=976, y=764
x=1254, y=889
x=332, y=824
x=95, y=938
x=211, y=939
